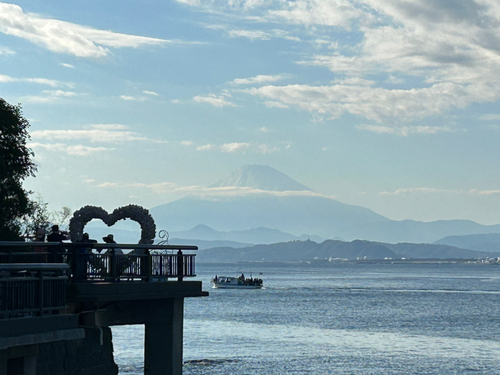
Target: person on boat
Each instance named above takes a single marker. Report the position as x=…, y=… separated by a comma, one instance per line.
x=216, y=278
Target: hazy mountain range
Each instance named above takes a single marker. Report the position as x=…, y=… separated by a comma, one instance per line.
x=257, y=196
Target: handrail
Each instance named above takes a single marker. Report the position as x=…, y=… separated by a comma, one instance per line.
x=90, y=266
x=34, y=267
x=32, y=289
x=95, y=245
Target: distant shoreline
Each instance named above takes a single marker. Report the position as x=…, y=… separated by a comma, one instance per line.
x=325, y=263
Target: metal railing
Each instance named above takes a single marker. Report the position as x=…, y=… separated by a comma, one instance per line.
x=143, y=263
x=32, y=289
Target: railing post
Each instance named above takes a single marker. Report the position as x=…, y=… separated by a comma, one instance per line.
x=148, y=266
x=180, y=265
x=75, y=265
x=40, y=292
x=112, y=261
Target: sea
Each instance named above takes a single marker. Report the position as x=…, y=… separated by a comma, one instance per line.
x=338, y=318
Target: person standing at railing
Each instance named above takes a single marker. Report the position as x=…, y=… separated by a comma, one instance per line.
x=113, y=251
x=56, y=236
x=83, y=257
x=40, y=237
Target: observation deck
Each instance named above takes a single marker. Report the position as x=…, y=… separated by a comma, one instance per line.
x=65, y=287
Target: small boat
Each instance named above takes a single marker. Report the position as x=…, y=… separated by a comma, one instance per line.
x=230, y=282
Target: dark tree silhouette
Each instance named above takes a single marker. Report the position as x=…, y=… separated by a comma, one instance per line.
x=15, y=165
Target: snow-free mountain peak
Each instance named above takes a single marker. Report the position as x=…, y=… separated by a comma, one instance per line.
x=261, y=177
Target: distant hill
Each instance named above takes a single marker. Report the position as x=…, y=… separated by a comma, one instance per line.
x=207, y=244
x=252, y=236
x=310, y=250
x=479, y=242
x=414, y=231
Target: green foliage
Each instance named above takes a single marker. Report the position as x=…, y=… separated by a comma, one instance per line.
x=61, y=217
x=15, y=165
x=37, y=218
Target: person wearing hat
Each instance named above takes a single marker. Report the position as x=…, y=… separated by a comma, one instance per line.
x=110, y=239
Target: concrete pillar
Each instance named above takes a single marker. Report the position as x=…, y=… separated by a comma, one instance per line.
x=163, y=340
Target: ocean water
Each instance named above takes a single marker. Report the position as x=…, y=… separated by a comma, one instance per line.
x=342, y=319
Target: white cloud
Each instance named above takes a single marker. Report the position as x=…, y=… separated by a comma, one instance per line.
x=133, y=98
x=217, y=101
x=257, y=34
x=373, y=103
x=490, y=117
x=108, y=126
x=257, y=79
x=150, y=93
x=60, y=93
x=264, y=129
x=446, y=54
x=271, y=104
x=317, y=12
x=40, y=81
x=239, y=147
x=403, y=130
x=235, y=147
x=5, y=51
x=77, y=150
x=207, y=147
x=187, y=143
x=171, y=188
x=100, y=133
x=64, y=37
x=425, y=190
x=68, y=65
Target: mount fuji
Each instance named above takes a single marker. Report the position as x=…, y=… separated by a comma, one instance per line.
x=260, y=196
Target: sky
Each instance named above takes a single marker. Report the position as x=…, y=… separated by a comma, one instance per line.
x=391, y=105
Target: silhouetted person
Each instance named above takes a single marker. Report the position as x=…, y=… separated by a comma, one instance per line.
x=83, y=256
x=56, y=236
x=40, y=237
x=115, y=264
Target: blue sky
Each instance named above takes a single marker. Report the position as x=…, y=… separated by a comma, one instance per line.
x=387, y=104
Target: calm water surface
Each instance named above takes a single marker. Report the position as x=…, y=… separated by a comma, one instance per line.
x=343, y=319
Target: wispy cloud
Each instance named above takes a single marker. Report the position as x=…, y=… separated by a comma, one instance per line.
x=40, y=81
x=215, y=100
x=257, y=79
x=133, y=98
x=67, y=65
x=490, y=117
x=99, y=133
x=404, y=130
x=65, y=37
x=150, y=93
x=77, y=150
x=256, y=34
x=5, y=51
x=447, y=56
x=239, y=147
x=164, y=188
x=426, y=190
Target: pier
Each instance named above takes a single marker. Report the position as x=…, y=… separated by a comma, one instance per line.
x=58, y=300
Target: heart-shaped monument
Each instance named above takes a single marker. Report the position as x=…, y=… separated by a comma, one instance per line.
x=137, y=213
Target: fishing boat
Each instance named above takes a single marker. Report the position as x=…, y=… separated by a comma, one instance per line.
x=231, y=282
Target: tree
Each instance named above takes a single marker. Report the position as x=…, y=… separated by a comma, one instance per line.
x=16, y=164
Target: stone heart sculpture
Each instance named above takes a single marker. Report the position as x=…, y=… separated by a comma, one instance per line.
x=137, y=213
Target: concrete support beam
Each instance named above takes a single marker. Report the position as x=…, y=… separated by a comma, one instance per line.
x=163, y=341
